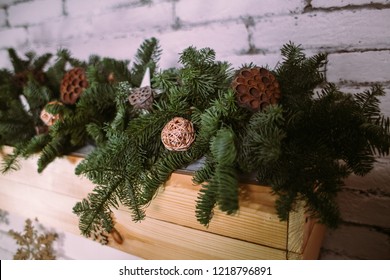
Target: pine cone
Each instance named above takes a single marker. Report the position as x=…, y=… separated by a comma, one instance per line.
x=72, y=85
x=178, y=134
x=256, y=88
x=141, y=98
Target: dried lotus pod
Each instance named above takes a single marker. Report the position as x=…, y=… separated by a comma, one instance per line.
x=48, y=118
x=256, y=88
x=178, y=134
x=141, y=98
x=73, y=84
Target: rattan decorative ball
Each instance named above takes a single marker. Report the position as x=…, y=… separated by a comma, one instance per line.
x=178, y=134
x=256, y=88
x=48, y=118
x=73, y=84
x=141, y=98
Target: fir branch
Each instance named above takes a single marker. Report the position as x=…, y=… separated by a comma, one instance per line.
x=148, y=55
x=18, y=63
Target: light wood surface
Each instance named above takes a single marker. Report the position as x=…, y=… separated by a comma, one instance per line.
x=170, y=230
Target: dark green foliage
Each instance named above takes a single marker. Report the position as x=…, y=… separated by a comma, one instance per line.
x=82, y=123
x=17, y=122
x=303, y=148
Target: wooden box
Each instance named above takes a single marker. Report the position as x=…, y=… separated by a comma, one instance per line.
x=170, y=230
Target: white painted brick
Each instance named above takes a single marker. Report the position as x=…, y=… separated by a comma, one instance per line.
x=340, y=30
x=225, y=39
x=119, y=24
x=119, y=48
x=373, y=66
x=342, y=3
x=94, y=7
x=6, y=2
x=205, y=10
x=269, y=60
x=34, y=12
x=3, y=18
x=139, y=19
x=364, y=209
x=13, y=37
x=4, y=60
x=60, y=30
x=358, y=242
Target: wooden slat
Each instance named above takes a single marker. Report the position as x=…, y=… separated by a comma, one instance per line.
x=314, y=242
x=150, y=239
x=170, y=230
x=255, y=222
x=175, y=202
x=296, y=229
x=58, y=177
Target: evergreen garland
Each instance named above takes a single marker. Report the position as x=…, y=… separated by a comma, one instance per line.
x=303, y=147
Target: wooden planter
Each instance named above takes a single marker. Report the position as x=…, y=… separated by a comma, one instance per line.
x=170, y=230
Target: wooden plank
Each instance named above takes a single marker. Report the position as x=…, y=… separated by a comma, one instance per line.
x=174, y=203
x=296, y=229
x=314, y=242
x=58, y=177
x=255, y=222
x=150, y=239
x=170, y=241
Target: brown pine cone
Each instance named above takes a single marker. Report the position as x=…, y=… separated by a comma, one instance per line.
x=256, y=88
x=73, y=85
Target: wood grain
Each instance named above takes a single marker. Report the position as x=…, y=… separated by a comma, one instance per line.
x=170, y=230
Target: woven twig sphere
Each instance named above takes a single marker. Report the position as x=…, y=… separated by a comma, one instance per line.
x=48, y=118
x=178, y=134
x=72, y=85
x=256, y=88
x=141, y=98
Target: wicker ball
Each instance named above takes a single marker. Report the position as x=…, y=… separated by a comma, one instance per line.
x=178, y=134
x=256, y=88
x=48, y=118
x=141, y=98
x=72, y=85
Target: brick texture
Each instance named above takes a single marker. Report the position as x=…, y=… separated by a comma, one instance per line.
x=354, y=33
x=34, y=12
x=205, y=11
x=3, y=18
x=343, y=3
x=374, y=66
x=15, y=37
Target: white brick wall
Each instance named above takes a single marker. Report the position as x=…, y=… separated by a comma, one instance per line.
x=34, y=12
x=355, y=34
x=3, y=18
x=207, y=11
x=370, y=66
x=343, y=3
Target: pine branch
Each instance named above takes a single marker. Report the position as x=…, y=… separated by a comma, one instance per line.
x=148, y=55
